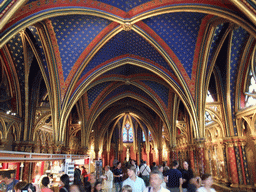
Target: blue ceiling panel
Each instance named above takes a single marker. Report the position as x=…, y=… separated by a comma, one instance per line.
x=125, y=5
x=128, y=88
x=160, y=90
x=127, y=70
x=180, y=32
x=239, y=39
x=16, y=48
x=115, y=93
x=126, y=42
x=74, y=33
x=94, y=92
x=215, y=42
x=30, y=1
x=39, y=47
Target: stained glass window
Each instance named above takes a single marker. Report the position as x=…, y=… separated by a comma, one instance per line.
x=209, y=97
x=125, y=135
x=130, y=135
x=208, y=117
x=150, y=136
x=251, y=91
x=143, y=137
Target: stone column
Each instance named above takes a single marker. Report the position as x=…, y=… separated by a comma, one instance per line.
x=232, y=164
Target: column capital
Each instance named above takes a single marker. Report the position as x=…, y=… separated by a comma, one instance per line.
x=230, y=144
x=84, y=150
x=200, y=142
x=57, y=147
x=243, y=143
x=24, y=146
x=200, y=145
x=3, y=143
x=173, y=148
x=254, y=139
x=191, y=147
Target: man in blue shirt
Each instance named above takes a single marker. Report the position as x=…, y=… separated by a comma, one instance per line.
x=137, y=184
x=9, y=181
x=118, y=177
x=173, y=178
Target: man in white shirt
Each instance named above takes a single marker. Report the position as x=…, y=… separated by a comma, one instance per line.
x=108, y=179
x=145, y=171
x=156, y=180
x=137, y=184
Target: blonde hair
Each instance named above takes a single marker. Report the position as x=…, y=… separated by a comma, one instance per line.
x=126, y=188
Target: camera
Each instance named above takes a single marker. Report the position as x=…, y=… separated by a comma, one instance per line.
x=29, y=186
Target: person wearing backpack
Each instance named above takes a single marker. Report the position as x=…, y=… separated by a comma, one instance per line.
x=145, y=171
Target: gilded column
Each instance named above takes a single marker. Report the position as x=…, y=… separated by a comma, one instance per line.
x=254, y=140
x=232, y=164
x=121, y=156
x=239, y=163
x=224, y=149
x=108, y=158
x=191, y=158
x=138, y=157
x=201, y=160
x=96, y=151
x=148, y=157
x=160, y=156
x=208, y=162
x=168, y=156
x=174, y=154
x=216, y=163
x=245, y=164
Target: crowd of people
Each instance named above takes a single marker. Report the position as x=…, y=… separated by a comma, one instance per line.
x=135, y=179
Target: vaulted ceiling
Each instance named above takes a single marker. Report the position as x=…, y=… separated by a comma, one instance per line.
x=116, y=56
